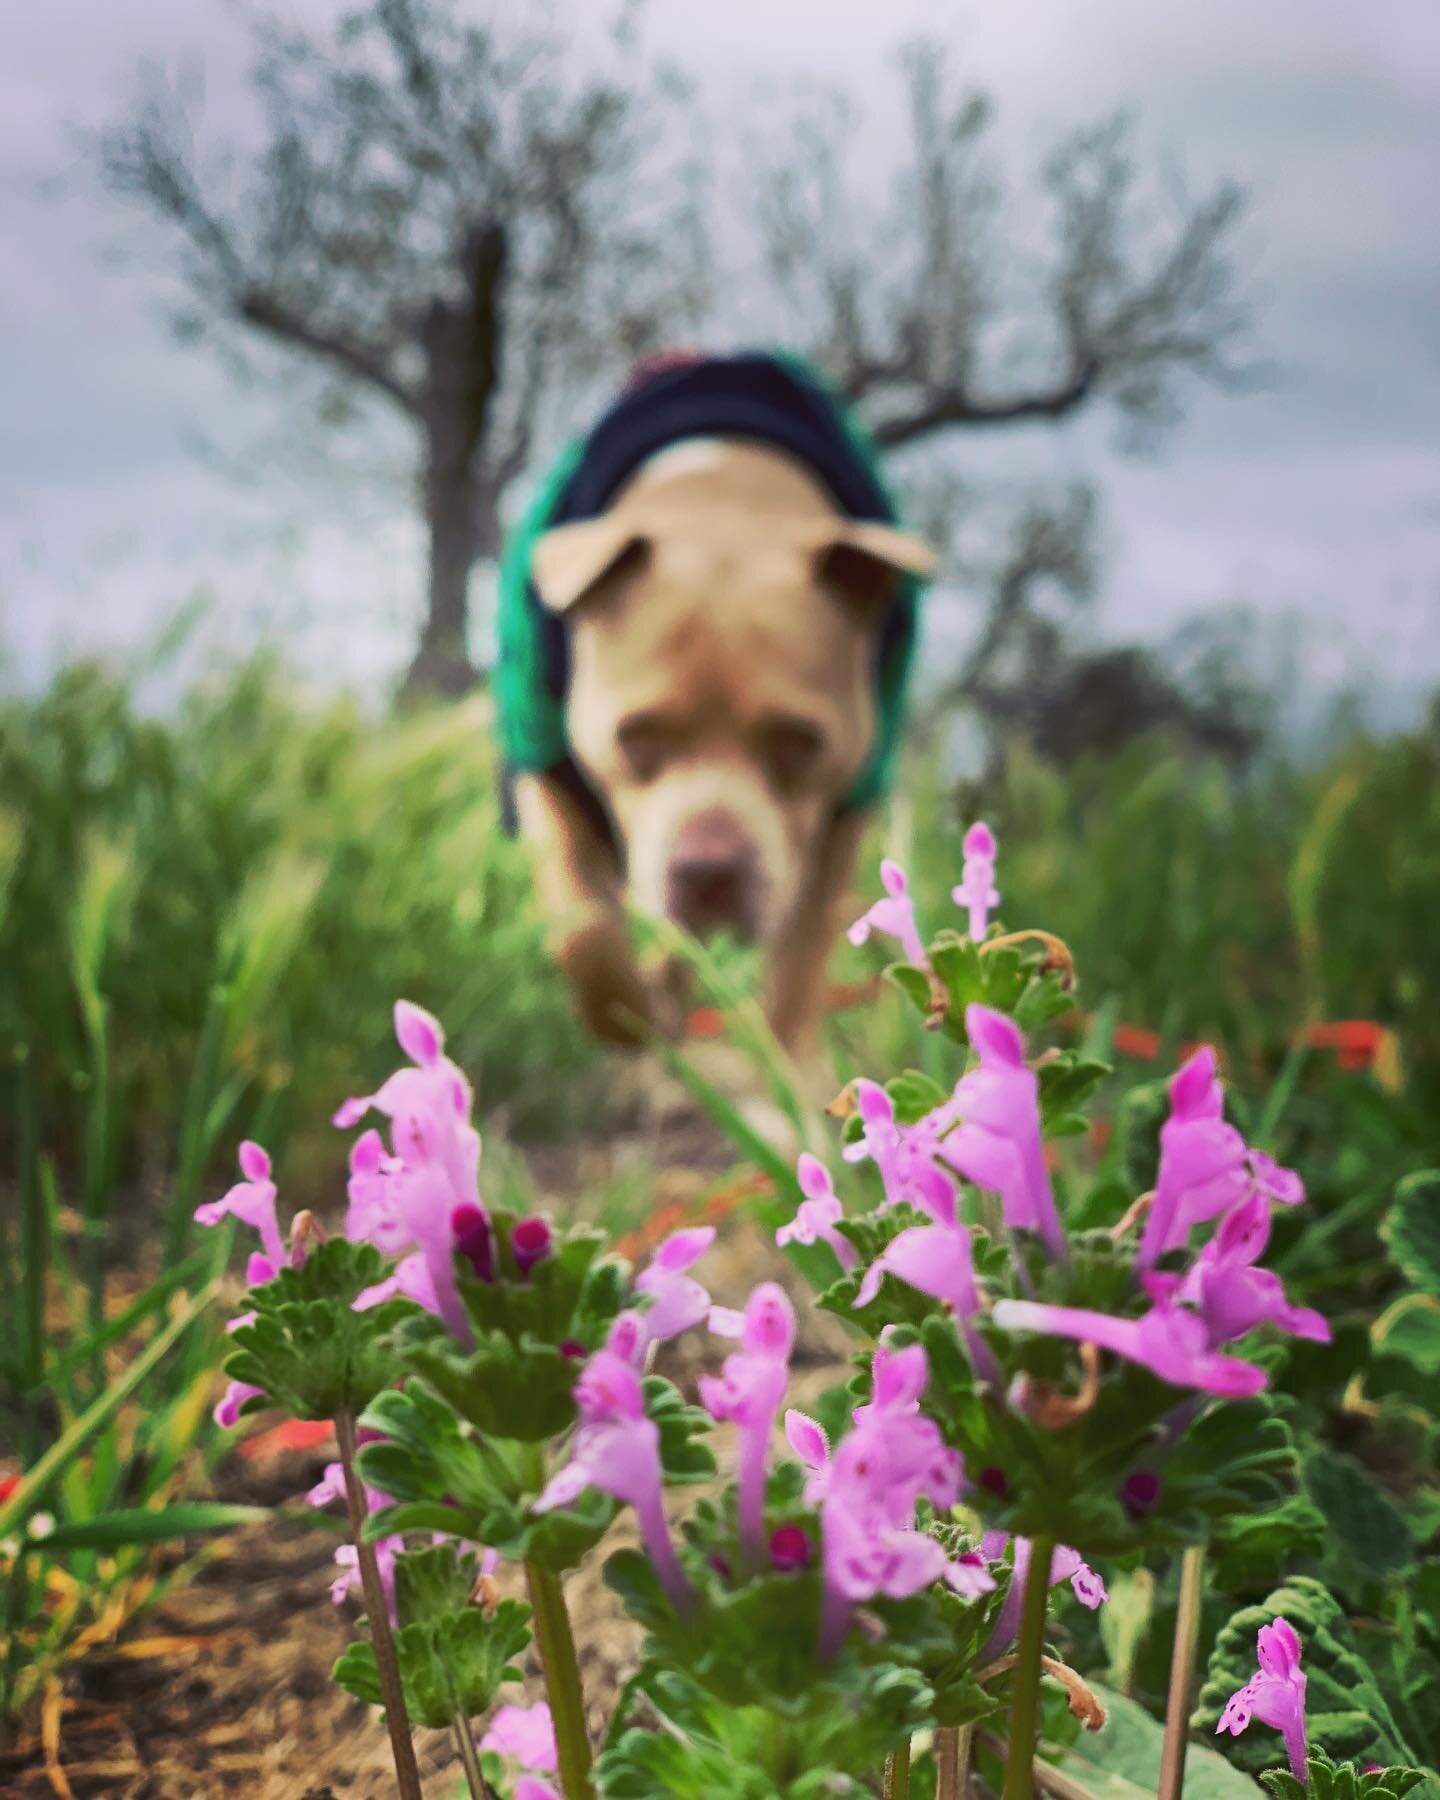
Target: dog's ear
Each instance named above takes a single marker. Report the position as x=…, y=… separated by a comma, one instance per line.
x=572, y=561
x=859, y=561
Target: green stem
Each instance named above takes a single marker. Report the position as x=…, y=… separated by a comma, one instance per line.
x=556, y=1644
x=480, y=1788
x=897, y=1773
x=1025, y=1700
x=377, y=1613
x=1182, y=1674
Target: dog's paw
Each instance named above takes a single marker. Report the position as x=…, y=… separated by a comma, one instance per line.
x=611, y=996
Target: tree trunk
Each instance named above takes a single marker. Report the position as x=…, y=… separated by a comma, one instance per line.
x=462, y=348
x=442, y=660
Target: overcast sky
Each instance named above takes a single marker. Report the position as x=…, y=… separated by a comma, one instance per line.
x=1316, y=499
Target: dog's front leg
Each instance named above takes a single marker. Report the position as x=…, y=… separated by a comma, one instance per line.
x=580, y=885
x=800, y=955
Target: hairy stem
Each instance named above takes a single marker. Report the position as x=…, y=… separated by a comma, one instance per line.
x=1025, y=1701
x=556, y=1644
x=377, y=1611
x=953, y=1744
x=897, y=1773
x=1182, y=1674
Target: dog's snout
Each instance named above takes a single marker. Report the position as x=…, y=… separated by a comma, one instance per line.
x=712, y=878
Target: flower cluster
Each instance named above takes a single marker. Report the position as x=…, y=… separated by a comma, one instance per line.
x=988, y=1133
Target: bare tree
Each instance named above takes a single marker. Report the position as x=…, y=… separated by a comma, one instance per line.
x=446, y=216
x=928, y=320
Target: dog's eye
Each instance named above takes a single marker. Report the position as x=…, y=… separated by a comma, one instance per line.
x=791, y=748
x=645, y=743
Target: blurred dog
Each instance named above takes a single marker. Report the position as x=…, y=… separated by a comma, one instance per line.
x=722, y=619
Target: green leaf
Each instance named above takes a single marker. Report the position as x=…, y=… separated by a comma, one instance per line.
x=150, y=1525
x=1129, y=1746
x=451, y=1665
x=1412, y=1229
x=1366, y=1526
x=434, y=1581
x=913, y=983
x=1251, y=1550
x=307, y=1349
x=914, y=1095
x=1067, y=1081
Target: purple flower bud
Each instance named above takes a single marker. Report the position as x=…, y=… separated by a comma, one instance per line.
x=471, y=1230
x=575, y=1351
x=789, y=1549
x=530, y=1244
x=994, y=1482
x=1139, y=1492
x=721, y=1565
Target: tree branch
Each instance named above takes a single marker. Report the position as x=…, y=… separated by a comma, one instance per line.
x=262, y=310
x=947, y=406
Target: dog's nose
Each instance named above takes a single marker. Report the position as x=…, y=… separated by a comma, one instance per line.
x=711, y=880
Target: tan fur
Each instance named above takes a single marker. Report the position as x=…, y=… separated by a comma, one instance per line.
x=721, y=702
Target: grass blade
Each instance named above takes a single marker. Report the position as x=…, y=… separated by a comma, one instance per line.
x=151, y=1525
x=33, y=1485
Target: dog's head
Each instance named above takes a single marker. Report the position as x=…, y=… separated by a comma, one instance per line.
x=722, y=694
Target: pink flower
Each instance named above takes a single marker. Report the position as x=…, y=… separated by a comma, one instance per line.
x=969, y=1575
x=748, y=1394
x=1167, y=1340
x=526, y=1734
x=1202, y=1160
x=227, y=1411
x=680, y=1302
x=1065, y=1565
x=348, y=1581
x=872, y=1484
x=1231, y=1295
x=628, y=1338
x=998, y=1145
x=977, y=890
x=1275, y=1694
x=530, y=1243
x=894, y=916
x=933, y=1259
x=789, y=1549
x=531, y=1787
x=408, y=1200
x=806, y=1437
x=252, y=1201
x=936, y=1260
x=410, y=1277
x=617, y=1449
x=818, y=1213
x=902, y=1154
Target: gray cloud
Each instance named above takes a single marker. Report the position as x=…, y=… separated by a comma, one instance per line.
x=1317, y=497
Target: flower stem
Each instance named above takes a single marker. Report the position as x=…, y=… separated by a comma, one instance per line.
x=377, y=1612
x=556, y=1645
x=953, y=1744
x=1025, y=1701
x=480, y=1788
x=1182, y=1674
x=897, y=1773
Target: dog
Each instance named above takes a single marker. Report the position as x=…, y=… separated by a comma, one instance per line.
x=700, y=681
